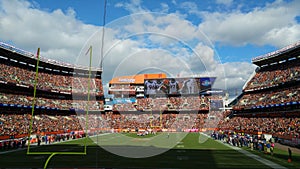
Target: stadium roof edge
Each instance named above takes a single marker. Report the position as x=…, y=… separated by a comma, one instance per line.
x=278, y=55
x=31, y=56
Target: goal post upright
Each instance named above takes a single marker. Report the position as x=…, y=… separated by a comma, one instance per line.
x=160, y=120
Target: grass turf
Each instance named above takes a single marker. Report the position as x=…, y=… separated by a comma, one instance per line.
x=190, y=152
x=280, y=157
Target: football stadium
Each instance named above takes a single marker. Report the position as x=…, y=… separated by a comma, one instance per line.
x=172, y=113
x=55, y=115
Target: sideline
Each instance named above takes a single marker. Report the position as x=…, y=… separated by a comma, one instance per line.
x=15, y=150
x=34, y=145
x=255, y=157
x=285, y=148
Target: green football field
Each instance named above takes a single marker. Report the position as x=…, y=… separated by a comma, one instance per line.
x=120, y=150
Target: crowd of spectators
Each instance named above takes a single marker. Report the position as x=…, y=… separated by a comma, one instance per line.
x=274, y=75
x=17, y=124
x=280, y=126
x=266, y=77
x=50, y=82
x=251, y=141
x=62, y=104
x=170, y=121
x=270, y=97
x=168, y=103
x=276, y=84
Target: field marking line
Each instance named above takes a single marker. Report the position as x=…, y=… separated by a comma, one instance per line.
x=255, y=157
x=15, y=150
x=43, y=144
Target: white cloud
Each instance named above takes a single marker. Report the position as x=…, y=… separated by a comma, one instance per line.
x=134, y=6
x=168, y=32
x=165, y=42
x=165, y=7
x=190, y=7
x=231, y=76
x=141, y=60
x=236, y=75
x=260, y=26
x=168, y=25
x=207, y=56
x=119, y=5
x=59, y=34
x=291, y=34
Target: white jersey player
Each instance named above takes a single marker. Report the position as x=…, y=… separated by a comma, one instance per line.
x=191, y=85
x=173, y=87
x=151, y=86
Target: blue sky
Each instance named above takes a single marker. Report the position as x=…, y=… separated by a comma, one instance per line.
x=216, y=37
x=91, y=12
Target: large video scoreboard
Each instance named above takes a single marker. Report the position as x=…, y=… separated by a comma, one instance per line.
x=178, y=86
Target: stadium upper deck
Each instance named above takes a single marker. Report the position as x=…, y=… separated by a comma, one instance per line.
x=275, y=85
x=60, y=86
x=270, y=102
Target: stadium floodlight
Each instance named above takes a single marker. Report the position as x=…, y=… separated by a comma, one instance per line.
x=89, y=51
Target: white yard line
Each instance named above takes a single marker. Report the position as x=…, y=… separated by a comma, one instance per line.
x=256, y=157
x=43, y=143
x=9, y=151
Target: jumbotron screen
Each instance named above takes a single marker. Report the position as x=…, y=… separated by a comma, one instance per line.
x=177, y=86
